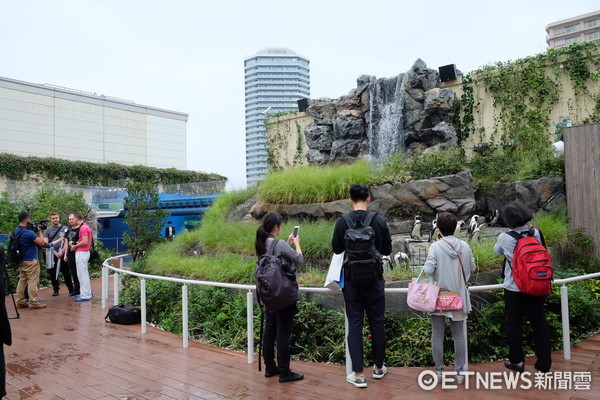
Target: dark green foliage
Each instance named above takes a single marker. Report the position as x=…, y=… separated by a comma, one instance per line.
x=87, y=173
x=218, y=316
x=143, y=218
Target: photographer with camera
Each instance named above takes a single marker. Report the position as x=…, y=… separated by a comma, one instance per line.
x=55, y=236
x=29, y=267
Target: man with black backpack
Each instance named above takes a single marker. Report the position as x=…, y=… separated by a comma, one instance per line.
x=364, y=237
x=29, y=266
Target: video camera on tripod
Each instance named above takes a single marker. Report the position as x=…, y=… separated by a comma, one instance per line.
x=35, y=226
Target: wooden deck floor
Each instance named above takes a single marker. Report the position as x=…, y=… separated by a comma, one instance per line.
x=67, y=351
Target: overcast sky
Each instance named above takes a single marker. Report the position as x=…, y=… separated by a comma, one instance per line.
x=188, y=56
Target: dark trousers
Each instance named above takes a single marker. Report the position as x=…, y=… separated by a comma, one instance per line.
x=517, y=304
x=358, y=300
x=66, y=273
x=73, y=271
x=278, y=329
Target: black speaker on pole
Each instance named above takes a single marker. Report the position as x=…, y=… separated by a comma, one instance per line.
x=447, y=72
x=302, y=104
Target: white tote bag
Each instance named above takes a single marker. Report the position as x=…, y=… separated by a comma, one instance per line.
x=335, y=275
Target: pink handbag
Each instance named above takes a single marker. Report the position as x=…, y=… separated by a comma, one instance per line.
x=422, y=296
x=448, y=301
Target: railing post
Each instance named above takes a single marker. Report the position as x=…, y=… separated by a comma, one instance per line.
x=250, y=325
x=104, y=286
x=143, y=304
x=117, y=285
x=564, y=307
x=184, y=311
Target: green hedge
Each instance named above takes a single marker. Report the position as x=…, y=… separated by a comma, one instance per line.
x=19, y=168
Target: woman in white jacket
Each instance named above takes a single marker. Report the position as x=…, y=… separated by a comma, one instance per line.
x=450, y=262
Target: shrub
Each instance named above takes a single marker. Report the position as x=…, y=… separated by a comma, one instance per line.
x=313, y=184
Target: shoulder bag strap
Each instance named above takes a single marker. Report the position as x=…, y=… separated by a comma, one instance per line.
x=55, y=233
x=461, y=268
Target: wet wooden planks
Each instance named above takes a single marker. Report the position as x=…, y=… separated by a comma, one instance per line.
x=67, y=351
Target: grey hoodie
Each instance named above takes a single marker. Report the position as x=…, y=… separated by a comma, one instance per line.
x=442, y=263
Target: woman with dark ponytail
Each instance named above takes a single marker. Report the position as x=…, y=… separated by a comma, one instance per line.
x=278, y=327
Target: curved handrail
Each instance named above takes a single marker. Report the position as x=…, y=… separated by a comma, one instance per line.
x=250, y=299
x=474, y=288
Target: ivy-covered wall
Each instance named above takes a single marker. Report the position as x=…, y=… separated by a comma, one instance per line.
x=37, y=169
x=525, y=102
x=286, y=143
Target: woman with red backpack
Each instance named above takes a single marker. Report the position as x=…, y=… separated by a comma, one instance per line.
x=517, y=217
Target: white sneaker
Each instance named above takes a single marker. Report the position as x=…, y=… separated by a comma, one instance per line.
x=378, y=373
x=460, y=379
x=359, y=381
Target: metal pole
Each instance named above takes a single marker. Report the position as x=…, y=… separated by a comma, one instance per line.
x=116, y=285
x=104, y=285
x=250, y=325
x=143, y=304
x=564, y=307
x=184, y=311
x=466, y=345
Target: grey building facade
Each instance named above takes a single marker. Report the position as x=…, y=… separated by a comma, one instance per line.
x=583, y=28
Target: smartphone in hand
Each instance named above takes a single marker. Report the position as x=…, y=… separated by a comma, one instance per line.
x=296, y=229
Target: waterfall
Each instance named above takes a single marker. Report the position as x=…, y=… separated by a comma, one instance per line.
x=385, y=130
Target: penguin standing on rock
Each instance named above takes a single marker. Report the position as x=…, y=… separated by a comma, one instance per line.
x=434, y=234
x=495, y=218
x=416, y=228
x=459, y=226
x=472, y=225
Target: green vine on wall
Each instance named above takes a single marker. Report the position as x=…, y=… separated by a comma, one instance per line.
x=20, y=168
x=299, y=141
x=526, y=91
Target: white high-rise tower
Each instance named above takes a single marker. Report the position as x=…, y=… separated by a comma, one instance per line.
x=276, y=78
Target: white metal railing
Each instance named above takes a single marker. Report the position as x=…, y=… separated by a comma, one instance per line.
x=564, y=299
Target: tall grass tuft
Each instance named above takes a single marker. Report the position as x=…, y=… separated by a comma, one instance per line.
x=313, y=184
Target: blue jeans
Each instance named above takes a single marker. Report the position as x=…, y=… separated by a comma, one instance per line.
x=369, y=299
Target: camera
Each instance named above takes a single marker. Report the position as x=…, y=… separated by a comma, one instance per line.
x=34, y=226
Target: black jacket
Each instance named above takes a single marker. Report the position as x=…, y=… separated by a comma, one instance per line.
x=383, y=240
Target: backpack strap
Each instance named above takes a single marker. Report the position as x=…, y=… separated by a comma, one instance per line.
x=367, y=221
x=516, y=236
x=369, y=218
x=351, y=224
x=271, y=251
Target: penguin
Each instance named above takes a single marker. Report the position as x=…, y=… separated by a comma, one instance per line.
x=477, y=232
x=472, y=225
x=416, y=228
x=401, y=257
x=459, y=226
x=434, y=233
x=495, y=218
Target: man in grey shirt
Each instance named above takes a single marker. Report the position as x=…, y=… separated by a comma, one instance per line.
x=55, y=235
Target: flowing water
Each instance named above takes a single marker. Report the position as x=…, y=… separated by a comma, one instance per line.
x=385, y=130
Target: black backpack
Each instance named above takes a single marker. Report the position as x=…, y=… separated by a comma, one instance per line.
x=124, y=314
x=362, y=262
x=14, y=256
x=274, y=288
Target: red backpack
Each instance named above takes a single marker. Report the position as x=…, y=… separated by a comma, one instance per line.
x=531, y=264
